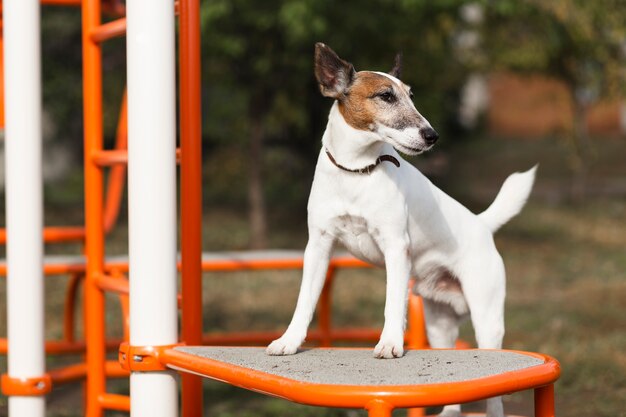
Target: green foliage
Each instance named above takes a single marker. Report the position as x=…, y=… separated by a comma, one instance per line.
x=580, y=42
x=260, y=54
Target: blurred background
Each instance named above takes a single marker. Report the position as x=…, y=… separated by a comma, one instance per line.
x=507, y=84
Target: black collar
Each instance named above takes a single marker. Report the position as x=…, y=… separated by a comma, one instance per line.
x=368, y=169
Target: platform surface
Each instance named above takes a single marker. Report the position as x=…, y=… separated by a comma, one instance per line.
x=358, y=367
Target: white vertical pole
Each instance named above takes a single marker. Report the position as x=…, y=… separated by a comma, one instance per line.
x=24, y=218
x=152, y=196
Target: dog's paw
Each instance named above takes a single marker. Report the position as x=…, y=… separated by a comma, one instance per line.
x=282, y=346
x=388, y=350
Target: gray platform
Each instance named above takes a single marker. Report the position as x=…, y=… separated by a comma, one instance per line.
x=359, y=367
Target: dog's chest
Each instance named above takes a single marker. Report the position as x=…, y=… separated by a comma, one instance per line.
x=351, y=226
x=359, y=236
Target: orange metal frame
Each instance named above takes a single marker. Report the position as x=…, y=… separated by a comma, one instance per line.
x=101, y=212
x=379, y=400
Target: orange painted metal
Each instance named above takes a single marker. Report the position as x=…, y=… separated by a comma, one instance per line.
x=325, y=308
x=117, y=174
x=191, y=194
x=109, y=30
x=314, y=336
x=142, y=358
x=94, y=245
x=113, y=284
x=55, y=234
x=225, y=265
x=349, y=396
x=544, y=401
x=379, y=408
x=114, y=402
x=34, y=386
x=113, y=157
x=416, y=331
x=78, y=371
x=69, y=307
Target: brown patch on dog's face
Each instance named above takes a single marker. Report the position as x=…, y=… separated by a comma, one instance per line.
x=374, y=99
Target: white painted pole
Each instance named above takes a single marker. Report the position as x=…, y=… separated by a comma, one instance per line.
x=24, y=218
x=152, y=196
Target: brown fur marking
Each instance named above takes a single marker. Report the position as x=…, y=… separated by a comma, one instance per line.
x=362, y=111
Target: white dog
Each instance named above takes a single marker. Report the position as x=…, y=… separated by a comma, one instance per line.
x=384, y=211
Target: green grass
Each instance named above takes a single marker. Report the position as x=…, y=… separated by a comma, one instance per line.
x=566, y=295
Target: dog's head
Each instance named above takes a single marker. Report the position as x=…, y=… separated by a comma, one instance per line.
x=374, y=101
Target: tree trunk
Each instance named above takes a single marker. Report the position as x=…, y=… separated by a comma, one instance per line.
x=256, y=199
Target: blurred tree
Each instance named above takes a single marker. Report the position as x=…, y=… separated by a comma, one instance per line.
x=259, y=78
x=582, y=43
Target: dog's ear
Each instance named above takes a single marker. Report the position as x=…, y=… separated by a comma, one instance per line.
x=333, y=74
x=397, y=66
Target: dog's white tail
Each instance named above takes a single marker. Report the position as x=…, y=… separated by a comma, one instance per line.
x=510, y=200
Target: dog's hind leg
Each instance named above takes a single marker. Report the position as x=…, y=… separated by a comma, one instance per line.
x=442, y=329
x=484, y=288
x=316, y=259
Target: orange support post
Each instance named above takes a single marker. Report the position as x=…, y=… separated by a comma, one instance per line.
x=324, y=309
x=379, y=408
x=544, y=401
x=191, y=194
x=94, y=248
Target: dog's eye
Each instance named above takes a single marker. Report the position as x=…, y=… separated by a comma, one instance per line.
x=411, y=93
x=387, y=96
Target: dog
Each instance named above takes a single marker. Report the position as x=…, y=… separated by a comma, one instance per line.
x=385, y=212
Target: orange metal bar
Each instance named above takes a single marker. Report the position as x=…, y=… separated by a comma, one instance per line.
x=117, y=174
x=109, y=30
x=416, y=412
x=324, y=309
x=191, y=194
x=53, y=269
x=125, y=306
x=55, y=234
x=416, y=337
x=34, y=386
x=361, y=396
x=69, y=307
x=315, y=335
x=544, y=401
x=104, y=158
x=112, y=157
x=416, y=332
x=224, y=265
x=114, y=402
x=94, y=248
x=78, y=371
x=379, y=408
x=60, y=347
x=142, y=358
x=113, y=284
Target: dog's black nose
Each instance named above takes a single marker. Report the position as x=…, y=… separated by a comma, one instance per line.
x=430, y=135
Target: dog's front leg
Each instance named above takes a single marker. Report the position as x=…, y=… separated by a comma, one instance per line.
x=316, y=259
x=398, y=268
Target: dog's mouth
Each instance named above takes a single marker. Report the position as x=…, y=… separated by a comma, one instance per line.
x=412, y=151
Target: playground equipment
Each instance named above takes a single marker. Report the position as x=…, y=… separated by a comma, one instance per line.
x=151, y=351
